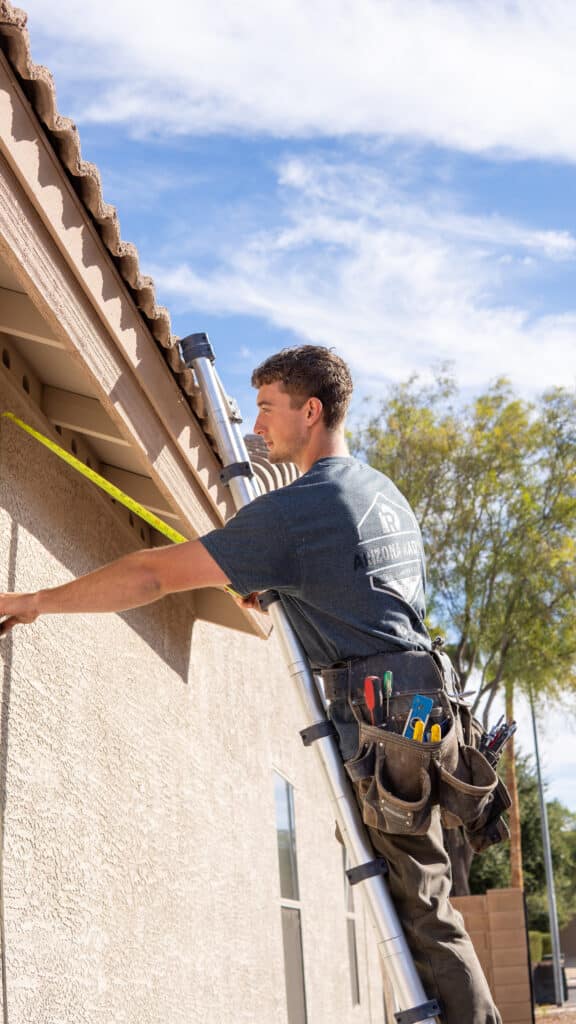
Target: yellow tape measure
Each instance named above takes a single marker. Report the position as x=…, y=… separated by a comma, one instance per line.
x=104, y=485
x=100, y=481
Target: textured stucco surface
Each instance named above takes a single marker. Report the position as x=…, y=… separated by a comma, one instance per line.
x=139, y=860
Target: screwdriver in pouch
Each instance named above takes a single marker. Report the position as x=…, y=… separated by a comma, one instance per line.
x=504, y=733
x=418, y=730
x=373, y=698
x=387, y=690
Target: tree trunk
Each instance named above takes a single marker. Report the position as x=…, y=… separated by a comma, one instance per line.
x=492, y=694
x=516, y=873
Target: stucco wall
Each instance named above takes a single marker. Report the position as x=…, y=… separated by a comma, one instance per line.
x=140, y=874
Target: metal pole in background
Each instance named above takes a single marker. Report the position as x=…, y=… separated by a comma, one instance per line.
x=552, y=914
x=412, y=1005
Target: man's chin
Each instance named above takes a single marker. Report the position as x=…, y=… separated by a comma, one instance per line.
x=275, y=456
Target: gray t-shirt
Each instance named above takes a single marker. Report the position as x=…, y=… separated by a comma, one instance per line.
x=343, y=549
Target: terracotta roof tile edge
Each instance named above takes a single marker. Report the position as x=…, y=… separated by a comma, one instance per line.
x=40, y=88
x=38, y=83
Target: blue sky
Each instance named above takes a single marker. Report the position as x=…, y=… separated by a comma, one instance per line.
x=394, y=179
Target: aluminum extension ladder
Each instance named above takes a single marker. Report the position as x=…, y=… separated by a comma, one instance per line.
x=410, y=1002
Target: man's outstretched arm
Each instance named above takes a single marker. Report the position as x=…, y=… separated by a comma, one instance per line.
x=139, y=578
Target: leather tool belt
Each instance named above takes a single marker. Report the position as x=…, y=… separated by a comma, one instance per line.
x=412, y=672
x=399, y=780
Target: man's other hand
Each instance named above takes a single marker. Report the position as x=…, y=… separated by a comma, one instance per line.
x=19, y=609
x=250, y=601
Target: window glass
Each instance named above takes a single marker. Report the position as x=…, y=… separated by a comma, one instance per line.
x=294, y=965
x=286, y=835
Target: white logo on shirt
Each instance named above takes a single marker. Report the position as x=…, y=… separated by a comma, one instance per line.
x=390, y=548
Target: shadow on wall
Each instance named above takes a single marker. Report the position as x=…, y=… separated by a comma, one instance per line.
x=73, y=522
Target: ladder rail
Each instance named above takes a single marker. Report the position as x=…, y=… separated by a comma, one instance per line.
x=397, y=962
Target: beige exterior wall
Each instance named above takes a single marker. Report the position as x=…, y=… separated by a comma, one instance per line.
x=138, y=862
x=140, y=874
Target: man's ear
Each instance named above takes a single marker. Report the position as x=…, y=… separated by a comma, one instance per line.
x=313, y=411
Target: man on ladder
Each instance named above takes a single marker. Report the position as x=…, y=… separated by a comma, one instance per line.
x=342, y=549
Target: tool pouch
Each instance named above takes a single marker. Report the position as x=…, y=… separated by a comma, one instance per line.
x=465, y=792
x=396, y=778
x=491, y=827
x=472, y=730
x=473, y=795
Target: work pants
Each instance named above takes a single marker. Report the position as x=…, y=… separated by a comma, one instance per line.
x=420, y=880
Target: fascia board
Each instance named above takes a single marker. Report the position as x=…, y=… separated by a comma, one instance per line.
x=116, y=338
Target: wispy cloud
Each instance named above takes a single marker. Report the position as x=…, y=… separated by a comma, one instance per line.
x=473, y=76
x=396, y=284
x=135, y=187
x=366, y=192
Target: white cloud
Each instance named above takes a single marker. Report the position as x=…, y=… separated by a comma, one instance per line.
x=475, y=76
x=397, y=285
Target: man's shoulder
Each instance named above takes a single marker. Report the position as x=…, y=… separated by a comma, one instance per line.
x=340, y=470
x=343, y=475
x=334, y=466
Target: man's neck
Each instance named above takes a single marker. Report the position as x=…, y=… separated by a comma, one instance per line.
x=330, y=444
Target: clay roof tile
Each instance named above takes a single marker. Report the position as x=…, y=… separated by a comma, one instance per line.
x=38, y=85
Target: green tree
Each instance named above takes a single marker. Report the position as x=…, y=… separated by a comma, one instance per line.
x=492, y=870
x=492, y=482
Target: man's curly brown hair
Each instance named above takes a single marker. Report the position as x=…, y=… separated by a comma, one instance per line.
x=310, y=371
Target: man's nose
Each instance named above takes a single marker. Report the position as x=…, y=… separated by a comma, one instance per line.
x=257, y=428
